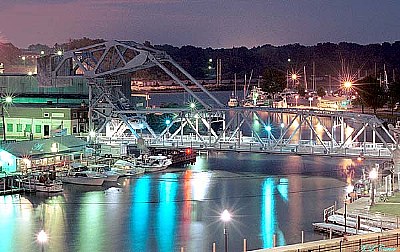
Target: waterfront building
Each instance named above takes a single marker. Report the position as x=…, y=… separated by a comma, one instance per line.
x=40, y=154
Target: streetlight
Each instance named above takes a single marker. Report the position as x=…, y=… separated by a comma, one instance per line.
x=23, y=59
x=349, y=189
x=42, y=238
x=373, y=175
x=296, y=97
x=310, y=99
x=225, y=217
x=54, y=149
x=7, y=100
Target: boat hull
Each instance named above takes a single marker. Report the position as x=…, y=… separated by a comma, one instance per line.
x=44, y=187
x=83, y=181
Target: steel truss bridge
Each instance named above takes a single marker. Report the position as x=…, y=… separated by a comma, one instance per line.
x=208, y=125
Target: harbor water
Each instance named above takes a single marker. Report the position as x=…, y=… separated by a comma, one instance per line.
x=267, y=195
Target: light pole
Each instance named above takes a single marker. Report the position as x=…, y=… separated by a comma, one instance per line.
x=296, y=97
x=7, y=100
x=225, y=217
x=349, y=189
x=373, y=175
x=54, y=150
x=42, y=239
x=310, y=99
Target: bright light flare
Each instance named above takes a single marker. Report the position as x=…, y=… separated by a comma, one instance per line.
x=373, y=174
x=225, y=216
x=349, y=188
x=42, y=237
x=294, y=76
x=347, y=84
x=8, y=99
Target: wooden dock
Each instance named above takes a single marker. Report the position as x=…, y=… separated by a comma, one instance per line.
x=337, y=229
x=9, y=185
x=355, y=224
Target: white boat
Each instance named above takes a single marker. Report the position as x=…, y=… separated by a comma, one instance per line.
x=153, y=163
x=80, y=175
x=233, y=102
x=42, y=183
x=257, y=98
x=126, y=168
x=111, y=176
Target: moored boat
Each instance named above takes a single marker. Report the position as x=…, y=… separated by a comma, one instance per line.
x=153, y=163
x=42, y=183
x=126, y=168
x=111, y=176
x=80, y=175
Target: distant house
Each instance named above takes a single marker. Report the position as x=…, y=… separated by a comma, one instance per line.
x=40, y=154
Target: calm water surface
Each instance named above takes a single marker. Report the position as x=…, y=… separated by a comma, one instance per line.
x=267, y=195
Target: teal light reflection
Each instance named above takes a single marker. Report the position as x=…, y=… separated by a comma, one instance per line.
x=7, y=224
x=283, y=189
x=167, y=212
x=140, y=214
x=91, y=223
x=268, y=213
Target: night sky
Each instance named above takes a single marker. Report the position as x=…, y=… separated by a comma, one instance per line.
x=205, y=23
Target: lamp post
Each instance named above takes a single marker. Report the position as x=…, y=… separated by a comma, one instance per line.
x=349, y=189
x=7, y=100
x=296, y=97
x=310, y=99
x=225, y=217
x=54, y=150
x=42, y=239
x=373, y=175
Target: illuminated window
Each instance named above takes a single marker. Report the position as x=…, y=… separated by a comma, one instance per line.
x=28, y=128
x=38, y=128
x=19, y=127
x=10, y=127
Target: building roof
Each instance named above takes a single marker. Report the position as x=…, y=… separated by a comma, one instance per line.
x=45, y=147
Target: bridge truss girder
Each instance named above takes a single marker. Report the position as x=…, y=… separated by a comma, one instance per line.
x=101, y=64
x=273, y=130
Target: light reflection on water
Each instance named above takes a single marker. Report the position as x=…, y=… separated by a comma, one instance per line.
x=166, y=211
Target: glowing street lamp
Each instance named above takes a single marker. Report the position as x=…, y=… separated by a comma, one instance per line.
x=349, y=189
x=310, y=99
x=347, y=84
x=7, y=100
x=225, y=217
x=192, y=105
x=373, y=175
x=42, y=238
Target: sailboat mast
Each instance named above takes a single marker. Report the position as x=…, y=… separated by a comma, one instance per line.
x=305, y=78
x=235, y=94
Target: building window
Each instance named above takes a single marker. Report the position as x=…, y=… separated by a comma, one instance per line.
x=74, y=130
x=74, y=115
x=19, y=127
x=28, y=128
x=38, y=129
x=46, y=115
x=10, y=127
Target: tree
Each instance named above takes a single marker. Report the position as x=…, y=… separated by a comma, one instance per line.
x=274, y=81
x=371, y=93
x=393, y=95
x=301, y=89
x=321, y=91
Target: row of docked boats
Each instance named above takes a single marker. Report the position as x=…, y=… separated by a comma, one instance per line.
x=94, y=175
